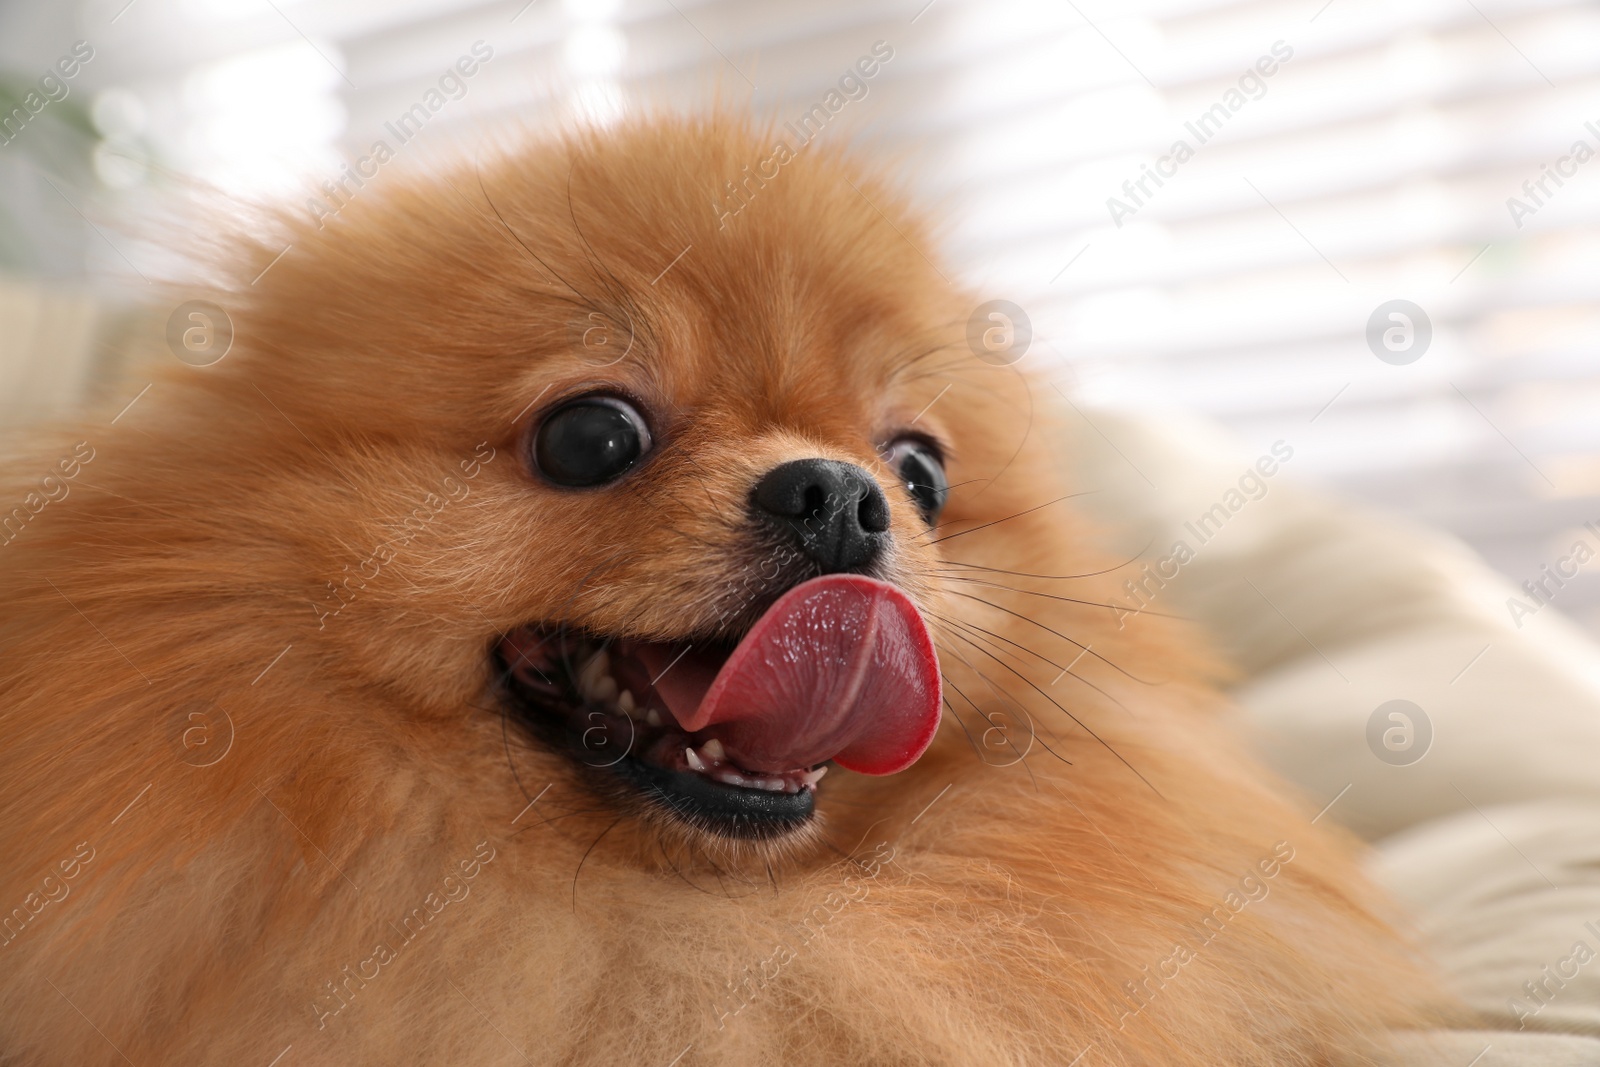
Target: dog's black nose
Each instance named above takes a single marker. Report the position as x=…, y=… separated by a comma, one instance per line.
x=834, y=510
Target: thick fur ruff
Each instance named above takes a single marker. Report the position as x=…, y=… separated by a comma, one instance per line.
x=304, y=555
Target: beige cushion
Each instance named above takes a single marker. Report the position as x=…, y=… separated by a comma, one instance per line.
x=1491, y=839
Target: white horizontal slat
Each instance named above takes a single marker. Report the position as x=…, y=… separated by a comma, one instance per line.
x=1387, y=146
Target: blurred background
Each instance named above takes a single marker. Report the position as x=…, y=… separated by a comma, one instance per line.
x=1336, y=156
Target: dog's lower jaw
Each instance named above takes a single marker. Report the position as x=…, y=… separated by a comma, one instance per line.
x=713, y=807
x=635, y=754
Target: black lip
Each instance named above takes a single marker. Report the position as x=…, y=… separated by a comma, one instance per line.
x=705, y=804
x=728, y=810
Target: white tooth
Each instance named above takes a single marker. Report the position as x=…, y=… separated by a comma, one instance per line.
x=653, y=717
x=625, y=702
x=606, y=689
x=813, y=777
x=694, y=760
x=714, y=750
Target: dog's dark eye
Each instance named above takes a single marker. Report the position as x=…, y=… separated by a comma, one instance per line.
x=590, y=441
x=922, y=472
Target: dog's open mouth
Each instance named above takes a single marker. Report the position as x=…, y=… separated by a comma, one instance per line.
x=840, y=669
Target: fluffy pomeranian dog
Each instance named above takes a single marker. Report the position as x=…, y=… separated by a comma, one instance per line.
x=577, y=624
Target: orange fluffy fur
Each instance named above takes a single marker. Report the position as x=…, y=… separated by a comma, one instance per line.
x=970, y=910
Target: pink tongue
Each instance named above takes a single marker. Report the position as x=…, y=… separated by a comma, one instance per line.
x=841, y=667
